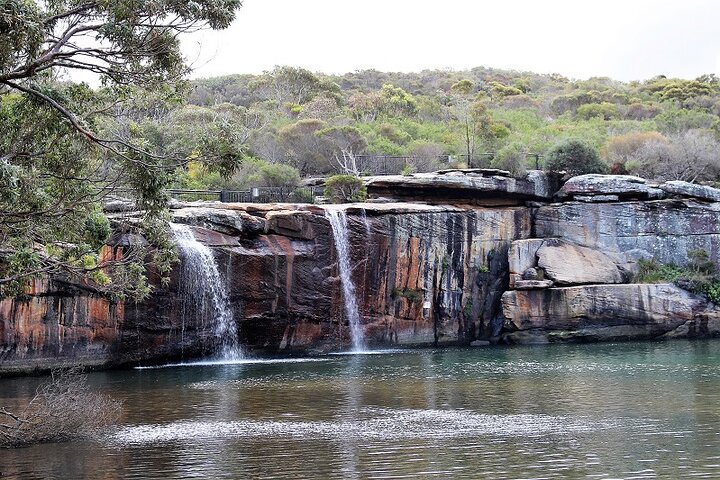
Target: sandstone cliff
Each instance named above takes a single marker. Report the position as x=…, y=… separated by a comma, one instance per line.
x=484, y=257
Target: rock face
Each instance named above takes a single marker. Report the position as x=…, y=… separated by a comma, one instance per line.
x=485, y=258
x=58, y=324
x=665, y=230
x=600, y=245
x=568, y=264
x=425, y=275
x=601, y=313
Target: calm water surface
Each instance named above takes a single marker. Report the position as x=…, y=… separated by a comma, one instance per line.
x=649, y=410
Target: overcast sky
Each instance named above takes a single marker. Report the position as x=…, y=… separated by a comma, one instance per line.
x=622, y=39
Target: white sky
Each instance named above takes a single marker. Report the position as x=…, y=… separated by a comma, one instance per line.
x=622, y=39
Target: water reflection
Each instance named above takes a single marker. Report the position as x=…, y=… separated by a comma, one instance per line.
x=590, y=411
x=351, y=408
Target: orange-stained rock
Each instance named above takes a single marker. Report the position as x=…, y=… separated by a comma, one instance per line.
x=54, y=328
x=424, y=275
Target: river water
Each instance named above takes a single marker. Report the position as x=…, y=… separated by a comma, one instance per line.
x=632, y=410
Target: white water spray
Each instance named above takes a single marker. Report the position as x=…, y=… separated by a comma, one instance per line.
x=202, y=282
x=338, y=221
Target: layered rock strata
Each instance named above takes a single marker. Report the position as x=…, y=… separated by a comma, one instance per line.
x=485, y=258
x=425, y=275
x=570, y=283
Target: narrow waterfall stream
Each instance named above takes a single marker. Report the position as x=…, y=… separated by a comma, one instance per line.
x=338, y=221
x=208, y=290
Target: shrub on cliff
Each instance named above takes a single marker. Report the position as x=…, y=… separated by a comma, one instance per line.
x=574, y=157
x=345, y=188
x=63, y=408
x=512, y=158
x=699, y=276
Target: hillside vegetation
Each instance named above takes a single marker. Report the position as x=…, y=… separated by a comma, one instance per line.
x=290, y=122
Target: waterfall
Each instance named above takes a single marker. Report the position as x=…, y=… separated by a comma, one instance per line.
x=338, y=221
x=202, y=283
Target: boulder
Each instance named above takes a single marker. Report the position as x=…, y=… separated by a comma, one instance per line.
x=598, y=312
x=608, y=187
x=704, y=325
x=533, y=274
x=568, y=264
x=687, y=189
x=478, y=185
x=212, y=238
x=119, y=239
x=229, y=222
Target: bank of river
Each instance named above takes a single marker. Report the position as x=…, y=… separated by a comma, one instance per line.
x=631, y=410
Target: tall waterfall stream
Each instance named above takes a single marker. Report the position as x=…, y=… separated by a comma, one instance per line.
x=207, y=290
x=338, y=221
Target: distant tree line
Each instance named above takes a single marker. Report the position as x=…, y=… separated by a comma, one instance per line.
x=318, y=124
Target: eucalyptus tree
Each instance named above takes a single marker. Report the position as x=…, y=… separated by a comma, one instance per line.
x=471, y=113
x=292, y=85
x=63, y=144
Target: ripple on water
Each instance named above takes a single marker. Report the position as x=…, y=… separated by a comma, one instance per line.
x=376, y=423
x=240, y=361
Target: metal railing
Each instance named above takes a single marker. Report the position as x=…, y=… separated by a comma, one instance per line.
x=253, y=195
x=367, y=165
x=484, y=160
x=395, y=164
